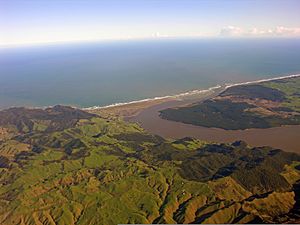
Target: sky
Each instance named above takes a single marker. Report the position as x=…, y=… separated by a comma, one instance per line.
x=43, y=21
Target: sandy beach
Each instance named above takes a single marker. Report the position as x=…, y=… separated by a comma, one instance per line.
x=127, y=111
x=146, y=114
x=132, y=109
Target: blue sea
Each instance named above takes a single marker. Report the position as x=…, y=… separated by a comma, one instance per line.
x=104, y=73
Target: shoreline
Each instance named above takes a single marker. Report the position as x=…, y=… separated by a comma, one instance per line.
x=283, y=137
x=167, y=97
x=162, y=98
x=189, y=93
x=131, y=109
x=146, y=113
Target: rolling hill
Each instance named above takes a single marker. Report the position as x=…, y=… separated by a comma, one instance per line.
x=62, y=165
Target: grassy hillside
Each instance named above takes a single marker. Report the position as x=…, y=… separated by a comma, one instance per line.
x=80, y=168
x=264, y=105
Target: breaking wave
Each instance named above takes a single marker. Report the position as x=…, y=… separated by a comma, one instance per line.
x=190, y=93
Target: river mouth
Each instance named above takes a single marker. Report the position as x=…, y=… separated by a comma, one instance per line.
x=285, y=137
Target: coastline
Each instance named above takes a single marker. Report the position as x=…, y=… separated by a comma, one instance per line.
x=133, y=108
x=159, y=99
x=146, y=113
x=284, y=137
x=190, y=93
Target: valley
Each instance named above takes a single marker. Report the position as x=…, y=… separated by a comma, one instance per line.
x=81, y=168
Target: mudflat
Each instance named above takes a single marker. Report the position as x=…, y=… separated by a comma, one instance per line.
x=284, y=137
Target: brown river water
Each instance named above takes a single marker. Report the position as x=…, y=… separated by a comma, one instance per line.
x=285, y=137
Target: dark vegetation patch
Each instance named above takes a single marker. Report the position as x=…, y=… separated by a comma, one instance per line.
x=256, y=169
x=255, y=91
x=274, y=152
x=225, y=171
x=75, y=143
x=59, y=117
x=161, y=152
x=297, y=94
x=217, y=113
x=263, y=173
x=41, y=139
x=81, y=153
x=37, y=149
x=184, y=140
x=46, y=139
x=75, y=149
x=4, y=162
x=297, y=167
x=218, y=148
x=282, y=109
x=133, y=145
x=225, y=114
x=98, y=135
x=22, y=158
x=261, y=179
x=139, y=138
x=56, y=143
x=240, y=144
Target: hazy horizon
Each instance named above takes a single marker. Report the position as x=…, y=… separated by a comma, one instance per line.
x=30, y=22
x=136, y=40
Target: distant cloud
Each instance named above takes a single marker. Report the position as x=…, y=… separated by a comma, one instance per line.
x=280, y=31
x=286, y=31
x=159, y=35
x=231, y=31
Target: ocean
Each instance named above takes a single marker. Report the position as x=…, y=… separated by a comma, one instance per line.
x=105, y=73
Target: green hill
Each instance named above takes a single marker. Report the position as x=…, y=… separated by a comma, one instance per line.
x=66, y=166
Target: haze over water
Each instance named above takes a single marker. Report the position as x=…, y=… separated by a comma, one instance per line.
x=110, y=72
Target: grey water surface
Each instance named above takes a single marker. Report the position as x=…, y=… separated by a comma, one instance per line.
x=89, y=74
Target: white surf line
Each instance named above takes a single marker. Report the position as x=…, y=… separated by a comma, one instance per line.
x=262, y=80
x=189, y=93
